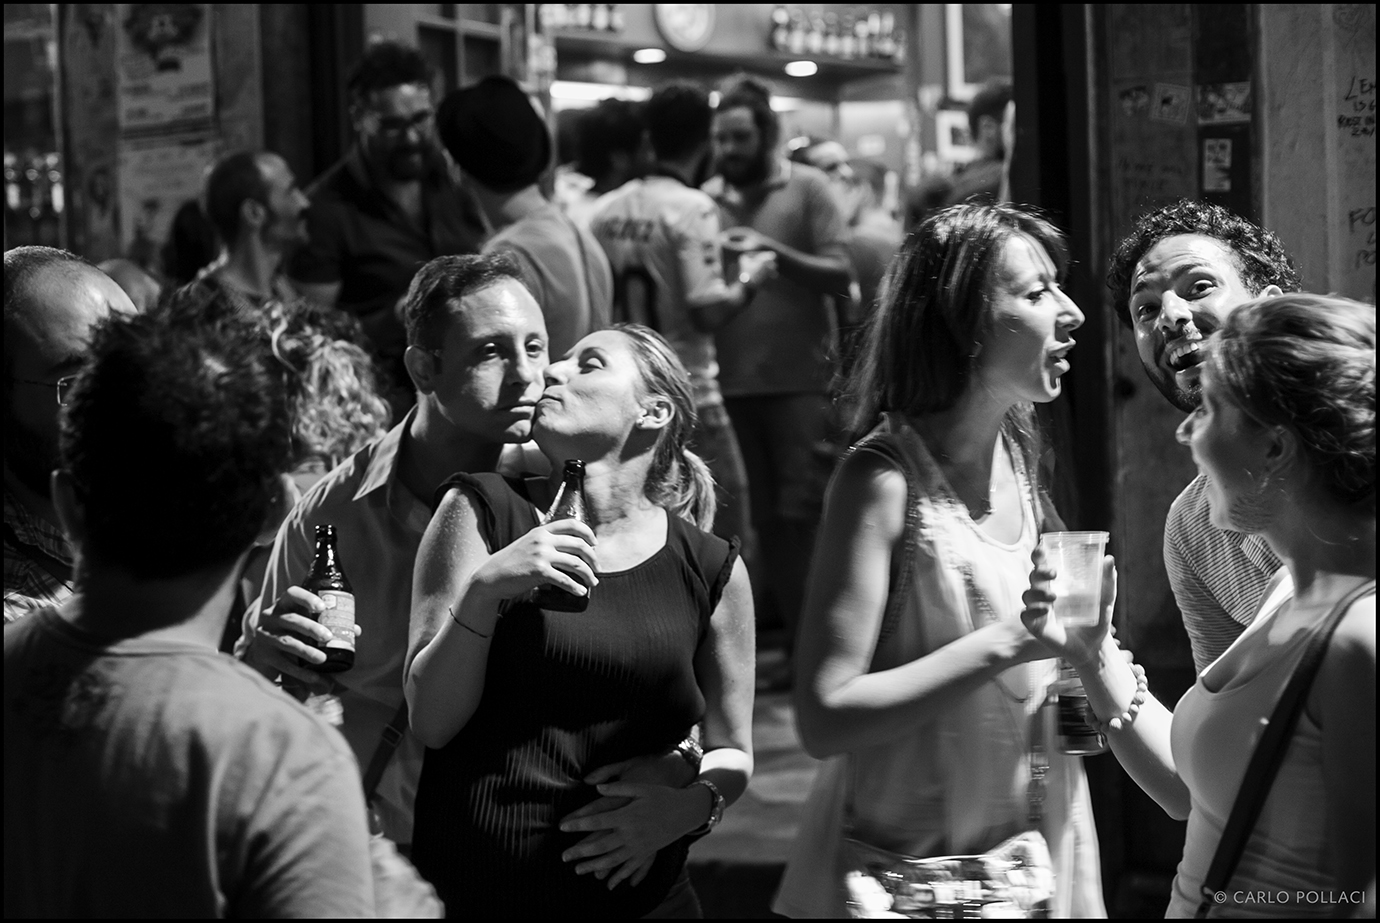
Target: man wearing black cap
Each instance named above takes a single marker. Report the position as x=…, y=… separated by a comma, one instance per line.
x=387, y=207
x=495, y=134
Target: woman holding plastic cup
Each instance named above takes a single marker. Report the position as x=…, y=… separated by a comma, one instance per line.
x=915, y=678
x=1286, y=438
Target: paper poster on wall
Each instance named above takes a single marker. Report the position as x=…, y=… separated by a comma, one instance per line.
x=156, y=176
x=1224, y=103
x=1217, y=165
x=954, y=140
x=163, y=66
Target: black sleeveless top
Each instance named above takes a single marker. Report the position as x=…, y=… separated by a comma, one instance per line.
x=564, y=694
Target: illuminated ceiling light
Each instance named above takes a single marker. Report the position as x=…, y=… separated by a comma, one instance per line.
x=572, y=91
x=649, y=55
x=802, y=69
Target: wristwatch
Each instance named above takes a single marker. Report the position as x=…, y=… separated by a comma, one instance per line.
x=691, y=751
x=716, y=813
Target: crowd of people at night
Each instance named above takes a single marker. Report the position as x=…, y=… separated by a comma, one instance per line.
x=799, y=415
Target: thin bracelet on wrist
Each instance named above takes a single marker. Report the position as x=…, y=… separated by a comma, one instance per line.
x=476, y=633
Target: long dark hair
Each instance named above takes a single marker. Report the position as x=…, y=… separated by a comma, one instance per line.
x=921, y=345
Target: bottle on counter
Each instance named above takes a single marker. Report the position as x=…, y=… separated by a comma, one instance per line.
x=569, y=504
x=328, y=581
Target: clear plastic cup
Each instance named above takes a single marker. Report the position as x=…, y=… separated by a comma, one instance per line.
x=1076, y=558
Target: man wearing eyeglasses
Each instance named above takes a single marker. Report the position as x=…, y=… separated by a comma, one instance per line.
x=52, y=300
x=388, y=207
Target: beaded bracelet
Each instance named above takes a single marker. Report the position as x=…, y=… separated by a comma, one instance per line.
x=1125, y=718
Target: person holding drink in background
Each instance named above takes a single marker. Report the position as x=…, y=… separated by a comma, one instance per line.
x=1294, y=462
x=533, y=799
x=916, y=680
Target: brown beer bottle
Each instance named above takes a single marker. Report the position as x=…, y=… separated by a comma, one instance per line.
x=328, y=581
x=569, y=504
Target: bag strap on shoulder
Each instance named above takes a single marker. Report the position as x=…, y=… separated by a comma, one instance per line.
x=388, y=744
x=1269, y=754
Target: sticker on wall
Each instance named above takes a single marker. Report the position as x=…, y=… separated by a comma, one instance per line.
x=1135, y=101
x=1224, y=103
x=1217, y=165
x=1170, y=103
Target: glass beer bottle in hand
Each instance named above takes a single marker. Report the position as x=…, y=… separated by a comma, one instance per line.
x=328, y=581
x=569, y=504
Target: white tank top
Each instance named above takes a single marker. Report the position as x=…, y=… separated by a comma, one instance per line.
x=1213, y=736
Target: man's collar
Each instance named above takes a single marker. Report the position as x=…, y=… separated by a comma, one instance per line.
x=383, y=464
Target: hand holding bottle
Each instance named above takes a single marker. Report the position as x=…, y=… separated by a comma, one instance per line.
x=560, y=552
x=288, y=633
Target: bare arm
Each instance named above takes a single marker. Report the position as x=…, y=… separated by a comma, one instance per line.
x=457, y=586
x=1143, y=746
x=726, y=666
x=1343, y=701
x=840, y=706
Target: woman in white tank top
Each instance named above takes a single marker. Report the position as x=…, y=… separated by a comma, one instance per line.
x=916, y=679
x=1286, y=438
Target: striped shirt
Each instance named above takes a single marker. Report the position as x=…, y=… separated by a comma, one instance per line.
x=34, y=549
x=1218, y=577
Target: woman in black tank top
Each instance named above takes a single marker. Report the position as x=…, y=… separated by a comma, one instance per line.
x=539, y=714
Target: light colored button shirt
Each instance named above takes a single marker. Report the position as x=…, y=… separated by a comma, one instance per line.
x=379, y=526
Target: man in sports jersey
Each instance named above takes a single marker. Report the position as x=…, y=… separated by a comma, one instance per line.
x=661, y=237
x=1177, y=276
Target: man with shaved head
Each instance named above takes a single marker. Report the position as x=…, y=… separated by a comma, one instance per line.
x=253, y=200
x=52, y=300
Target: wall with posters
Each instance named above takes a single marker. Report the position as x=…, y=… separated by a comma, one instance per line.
x=1318, y=111
x=152, y=93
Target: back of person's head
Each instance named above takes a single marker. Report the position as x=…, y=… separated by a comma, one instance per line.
x=333, y=392
x=331, y=384
x=438, y=287
x=24, y=268
x=613, y=127
x=1260, y=257
x=174, y=439
x=678, y=479
x=235, y=179
x=678, y=118
x=386, y=65
x=922, y=342
x=193, y=243
x=1307, y=363
x=742, y=91
x=494, y=133
x=989, y=101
